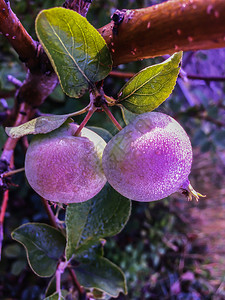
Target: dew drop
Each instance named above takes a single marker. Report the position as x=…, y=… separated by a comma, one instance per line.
x=157, y=152
x=176, y=47
x=113, y=50
x=216, y=14
x=13, y=37
x=7, y=34
x=133, y=52
x=178, y=31
x=209, y=9
x=190, y=39
x=149, y=25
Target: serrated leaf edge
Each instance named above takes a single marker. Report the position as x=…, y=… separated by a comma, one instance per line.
x=162, y=64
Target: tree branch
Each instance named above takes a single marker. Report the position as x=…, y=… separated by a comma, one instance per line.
x=166, y=28
x=17, y=36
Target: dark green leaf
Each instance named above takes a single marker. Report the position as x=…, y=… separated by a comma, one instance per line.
x=44, y=246
x=77, y=51
x=104, y=215
x=103, y=275
x=39, y=125
x=151, y=87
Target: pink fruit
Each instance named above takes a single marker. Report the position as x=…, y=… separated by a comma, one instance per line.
x=65, y=168
x=149, y=159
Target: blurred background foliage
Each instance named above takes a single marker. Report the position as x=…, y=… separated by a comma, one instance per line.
x=162, y=254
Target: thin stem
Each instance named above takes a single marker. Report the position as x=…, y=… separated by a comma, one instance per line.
x=205, y=78
x=76, y=282
x=49, y=213
x=121, y=74
x=84, y=122
x=188, y=76
x=112, y=118
x=2, y=216
x=10, y=173
x=58, y=282
x=79, y=112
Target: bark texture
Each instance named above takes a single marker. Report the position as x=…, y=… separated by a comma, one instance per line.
x=166, y=28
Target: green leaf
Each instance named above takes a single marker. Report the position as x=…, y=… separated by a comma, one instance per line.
x=38, y=125
x=55, y=296
x=44, y=246
x=77, y=51
x=103, y=275
x=104, y=215
x=151, y=87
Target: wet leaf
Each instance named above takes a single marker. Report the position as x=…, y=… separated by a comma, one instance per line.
x=104, y=215
x=44, y=246
x=101, y=274
x=150, y=87
x=43, y=124
x=77, y=51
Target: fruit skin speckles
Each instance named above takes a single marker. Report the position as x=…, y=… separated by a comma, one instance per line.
x=64, y=168
x=149, y=159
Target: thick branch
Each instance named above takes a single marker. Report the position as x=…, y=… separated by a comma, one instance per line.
x=167, y=28
x=17, y=36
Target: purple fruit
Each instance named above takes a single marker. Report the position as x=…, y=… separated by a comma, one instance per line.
x=65, y=168
x=149, y=159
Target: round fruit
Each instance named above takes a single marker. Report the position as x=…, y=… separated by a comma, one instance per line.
x=65, y=168
x=149, y=159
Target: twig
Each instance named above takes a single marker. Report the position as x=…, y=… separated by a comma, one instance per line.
x=206, y=78
x=112, y=118
x=75, y=281
x=49, y=213
x=2, y=216
x=121, y=74
x=17, y=83
x=10, y=173
x=11, y=143
x=189, y=76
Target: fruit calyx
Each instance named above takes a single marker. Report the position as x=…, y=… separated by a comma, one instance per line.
x=190, y=192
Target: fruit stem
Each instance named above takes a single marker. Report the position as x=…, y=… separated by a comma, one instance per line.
x=84, y=122
x=110, y=115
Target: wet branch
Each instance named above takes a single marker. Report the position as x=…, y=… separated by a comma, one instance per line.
x=166, y=28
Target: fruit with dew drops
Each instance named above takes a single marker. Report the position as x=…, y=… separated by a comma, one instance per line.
x=65, y=168
x=149, y=159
